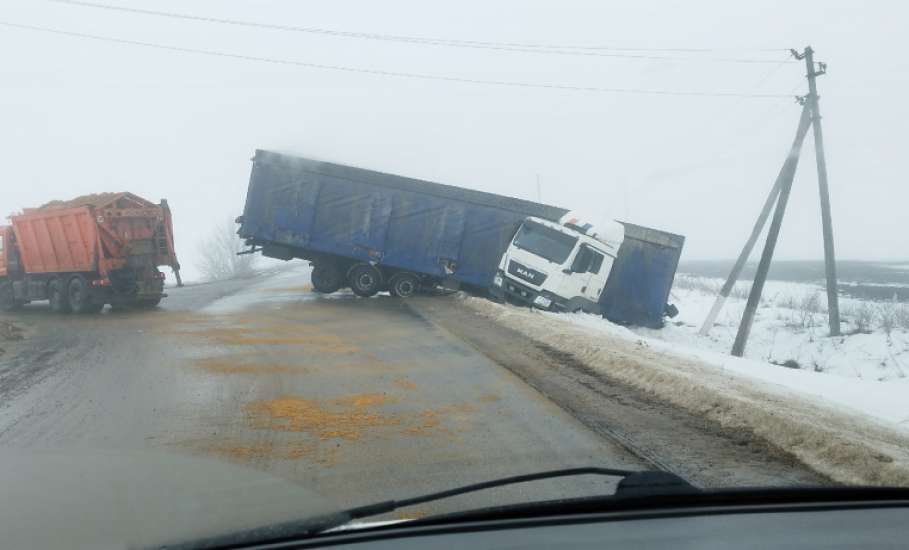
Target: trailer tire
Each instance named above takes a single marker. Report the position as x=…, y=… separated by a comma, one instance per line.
x=326, y=278
x=365, y=280
x=57, y=295
x=404, y=285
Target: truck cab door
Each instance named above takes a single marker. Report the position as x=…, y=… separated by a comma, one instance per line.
x=598, y=274
x=574, y=280
x=589, y=271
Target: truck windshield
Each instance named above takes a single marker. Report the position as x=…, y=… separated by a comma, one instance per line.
x=543, y=241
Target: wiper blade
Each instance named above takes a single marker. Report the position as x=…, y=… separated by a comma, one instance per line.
x=388, y=506
x=632, y=482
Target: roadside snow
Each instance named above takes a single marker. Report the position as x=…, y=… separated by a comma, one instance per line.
x=885, y=400
x=855, y=430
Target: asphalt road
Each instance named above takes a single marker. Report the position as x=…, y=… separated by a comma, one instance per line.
x=358, y=399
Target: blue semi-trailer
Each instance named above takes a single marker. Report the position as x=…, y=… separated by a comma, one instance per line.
x=372, y=231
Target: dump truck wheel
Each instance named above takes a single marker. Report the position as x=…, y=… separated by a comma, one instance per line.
x=326, y=278
x=79, y=296
x=7, y=301
x=59, y=302
x=365, y=280
x=404, y=285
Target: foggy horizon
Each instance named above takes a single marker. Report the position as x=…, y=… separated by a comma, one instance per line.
x=89, y=116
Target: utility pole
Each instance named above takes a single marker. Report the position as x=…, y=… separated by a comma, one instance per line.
x=743, y=256
x=811, y=116
x=787, y=174
x=539, y=190
x=833, y=304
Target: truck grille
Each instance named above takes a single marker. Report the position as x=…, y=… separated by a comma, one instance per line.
x=524, y=273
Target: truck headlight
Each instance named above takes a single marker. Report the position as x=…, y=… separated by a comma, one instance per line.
x=542, y=301
x=497, y=280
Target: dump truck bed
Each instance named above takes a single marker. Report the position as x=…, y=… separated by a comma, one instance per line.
x=58, y=240
x=95, y=233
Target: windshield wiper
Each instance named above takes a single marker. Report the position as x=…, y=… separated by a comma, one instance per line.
x=392, y=505
x=296, y=530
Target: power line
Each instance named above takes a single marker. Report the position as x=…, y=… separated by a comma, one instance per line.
x=379, y=72
x=547, y=49
x=767, y=76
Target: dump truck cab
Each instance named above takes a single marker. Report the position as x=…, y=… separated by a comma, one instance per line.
x=10, y=259
x=10, y=269
x=5, y=243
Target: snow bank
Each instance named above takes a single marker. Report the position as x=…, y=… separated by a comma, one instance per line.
x=845, y=428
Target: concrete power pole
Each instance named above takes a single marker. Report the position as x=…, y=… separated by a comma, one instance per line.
x=833, y=304
x=782, y=187
x=780, y=195
x=745, y=253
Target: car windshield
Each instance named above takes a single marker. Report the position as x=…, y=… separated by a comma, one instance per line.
x=545, y=242
x=371, y=250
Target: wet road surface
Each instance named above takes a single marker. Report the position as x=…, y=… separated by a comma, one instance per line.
x=358, y=399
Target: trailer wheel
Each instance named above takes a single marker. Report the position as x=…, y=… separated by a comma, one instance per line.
x=326, y=278
x=59, y=301
x=365, y=280
x=404, y=285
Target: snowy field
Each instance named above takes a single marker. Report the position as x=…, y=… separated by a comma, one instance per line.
x=790, y=328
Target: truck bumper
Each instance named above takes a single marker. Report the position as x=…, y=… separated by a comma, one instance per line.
x=496, y=293
x=522, y=294
x=546, y=301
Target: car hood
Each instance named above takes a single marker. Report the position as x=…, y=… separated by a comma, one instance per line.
x=91, y=499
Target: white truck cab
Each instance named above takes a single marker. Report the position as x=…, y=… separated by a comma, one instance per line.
x=558, y=266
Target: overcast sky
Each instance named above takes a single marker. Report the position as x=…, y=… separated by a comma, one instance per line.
x=80, y=116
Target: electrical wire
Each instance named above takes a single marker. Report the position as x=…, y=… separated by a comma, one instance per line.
x=398, y=74
x=547, y=49
x=658, y=178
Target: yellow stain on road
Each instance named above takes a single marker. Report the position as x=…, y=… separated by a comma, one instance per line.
x=246, y=453
x=278, y=335
x=241, y=364
x=288, y=422
x=344, y=418
x=405, y=383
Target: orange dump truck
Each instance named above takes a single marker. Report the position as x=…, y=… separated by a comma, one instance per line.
x=88, y=252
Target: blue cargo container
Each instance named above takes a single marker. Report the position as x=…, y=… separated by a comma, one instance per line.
x=374, y=231
x=638, y=287
x=338, y=215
